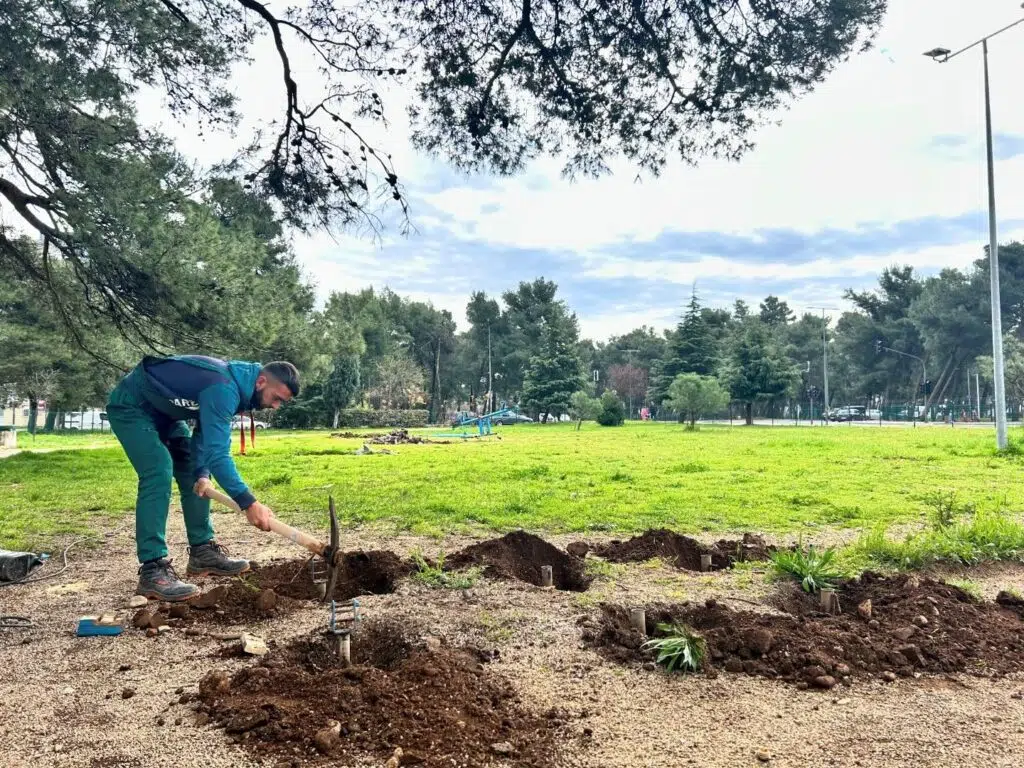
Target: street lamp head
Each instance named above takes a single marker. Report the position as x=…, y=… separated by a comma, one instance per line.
x=939, y=54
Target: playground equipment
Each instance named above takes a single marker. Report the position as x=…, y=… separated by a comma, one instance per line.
x=483, y=423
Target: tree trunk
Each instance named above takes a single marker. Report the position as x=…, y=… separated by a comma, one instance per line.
x=579, y=424
x=33, y=414
x=337, y=418
x=693, y=421
x=748, y=409
x=51, y=420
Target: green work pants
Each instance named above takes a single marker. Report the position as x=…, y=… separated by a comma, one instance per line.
x=158, y=448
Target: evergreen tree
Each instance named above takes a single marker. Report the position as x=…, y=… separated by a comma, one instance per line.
x=341, y=385
x=554, y=375
x=757, y=369
x=775, y=312
x=692, y=349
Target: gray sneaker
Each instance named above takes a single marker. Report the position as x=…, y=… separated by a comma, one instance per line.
x=158, y=581
x=210, y=559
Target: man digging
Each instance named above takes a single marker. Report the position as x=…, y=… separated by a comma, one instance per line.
x=147, y=412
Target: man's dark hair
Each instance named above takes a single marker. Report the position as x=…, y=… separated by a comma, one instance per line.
x=284, y=372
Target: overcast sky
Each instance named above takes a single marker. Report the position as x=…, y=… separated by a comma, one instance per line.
x=883, y=164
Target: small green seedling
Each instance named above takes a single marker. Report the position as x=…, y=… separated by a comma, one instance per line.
x=680, y=648
x=815, y=570
x=435, y=576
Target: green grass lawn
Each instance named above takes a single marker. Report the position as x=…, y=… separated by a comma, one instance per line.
x=552, y=477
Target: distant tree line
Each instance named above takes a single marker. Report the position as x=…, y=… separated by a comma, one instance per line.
x=376, y=349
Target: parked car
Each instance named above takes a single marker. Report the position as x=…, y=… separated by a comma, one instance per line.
x=511, y=418
x=238, y=422
x=848, y=413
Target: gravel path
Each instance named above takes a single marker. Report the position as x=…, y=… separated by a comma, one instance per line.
x=61, y=697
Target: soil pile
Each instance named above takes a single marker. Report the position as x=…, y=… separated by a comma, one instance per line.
x=678, y=550
x=395, y=437
x=233, y=603
x=376, y=572
x=520, y=555
x=276, y=589
x=911, y=625
x=440, y=707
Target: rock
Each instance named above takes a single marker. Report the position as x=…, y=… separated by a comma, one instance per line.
x=124, y=668
x=151, y=632
x=1019, y=695
x=874, y=624
x=160, y=721
x=158, y=620
x=889, y=676
x=328, y=739
x=179, y=611
x=843, y=670
x=143, y=618
x=921, y=621
x=761, y=640
x=825, y=681
x=433, y=644
x=210, y=598
x=395, y=760
x=69, y=691
x=177, y=721
x=214, y=682
x=201, y=719
x=266, y=601
x=253, y=645
x=503, y=748
x=763, y=755
x=864, y=610
x=650, y=666
x=843, y=702
x=802, y=685
x=904, y=633
x=163, y=628
x=912, y=654
x=138, y=601
x=127, y=693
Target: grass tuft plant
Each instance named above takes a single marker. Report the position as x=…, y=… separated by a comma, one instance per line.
x=813, y=569
x=983, y=536
x=436, y=577
x=679, y=648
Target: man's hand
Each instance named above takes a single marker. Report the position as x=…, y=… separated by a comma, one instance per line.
x=259, y=515
x=202, y=485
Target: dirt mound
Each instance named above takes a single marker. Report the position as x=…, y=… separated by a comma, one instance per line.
x=678, y=550
x=395, y=437
x=520, y=555
x=376, y=572
x=276, y=589
x=441, y=707
x=913, y=625
x=751, y=547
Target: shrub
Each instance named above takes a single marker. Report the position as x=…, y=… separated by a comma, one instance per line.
x=815, y=570
x=680, y=648
x=613, y=412
x=384, y=417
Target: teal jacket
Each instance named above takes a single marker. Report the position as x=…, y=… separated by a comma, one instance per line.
x=211, y=392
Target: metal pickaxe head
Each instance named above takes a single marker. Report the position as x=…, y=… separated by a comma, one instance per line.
x=332, y=554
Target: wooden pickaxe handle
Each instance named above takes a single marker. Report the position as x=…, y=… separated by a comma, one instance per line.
x=281, y=529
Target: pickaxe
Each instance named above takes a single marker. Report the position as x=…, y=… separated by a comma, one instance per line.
x=329, y=552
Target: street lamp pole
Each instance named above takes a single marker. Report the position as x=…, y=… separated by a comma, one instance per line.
x=942, y=55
